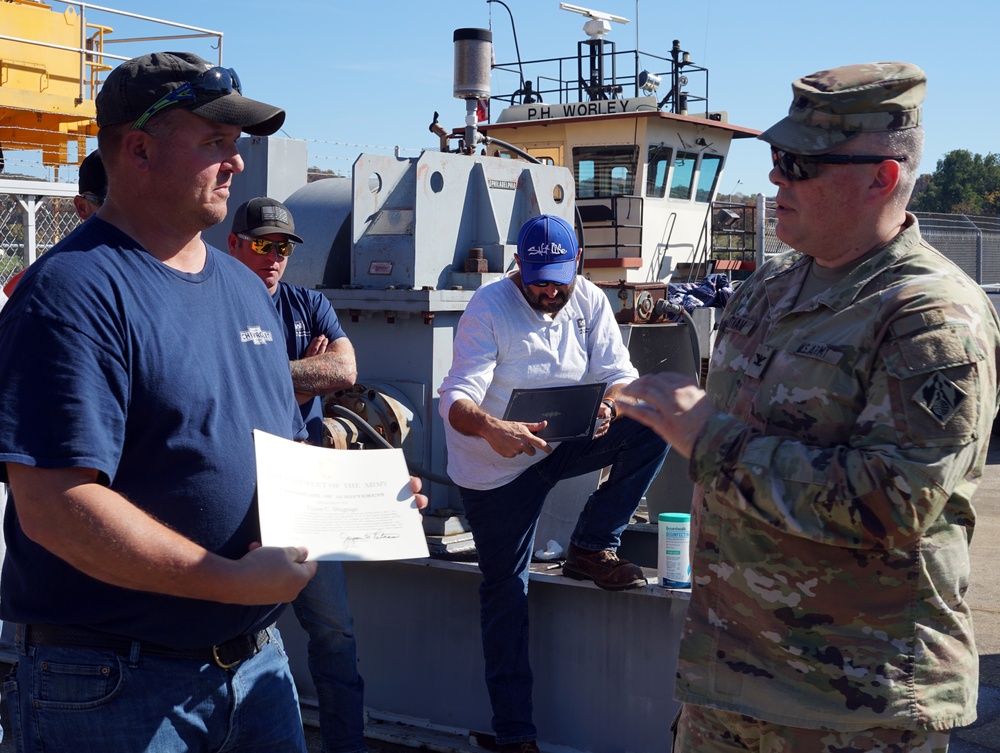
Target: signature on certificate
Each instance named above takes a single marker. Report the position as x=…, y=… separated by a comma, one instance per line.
x=369, y=536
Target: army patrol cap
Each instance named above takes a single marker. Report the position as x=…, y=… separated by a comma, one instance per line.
x=829, y=108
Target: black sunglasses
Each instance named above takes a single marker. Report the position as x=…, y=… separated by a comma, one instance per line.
x=804, y=166
x=215, y=82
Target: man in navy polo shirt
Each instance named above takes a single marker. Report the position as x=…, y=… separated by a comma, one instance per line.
x=322, y=361
x=137, y=361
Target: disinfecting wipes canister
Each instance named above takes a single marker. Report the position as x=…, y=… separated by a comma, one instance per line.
x=673, y=562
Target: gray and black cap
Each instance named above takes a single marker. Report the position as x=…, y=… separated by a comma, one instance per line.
x=264, y=216
x=136, y=85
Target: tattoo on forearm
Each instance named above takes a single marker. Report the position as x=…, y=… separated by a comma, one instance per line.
x=320, y=376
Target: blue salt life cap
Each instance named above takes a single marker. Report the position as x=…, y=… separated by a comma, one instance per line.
x=547, y=249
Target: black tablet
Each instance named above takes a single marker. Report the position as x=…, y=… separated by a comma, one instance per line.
x=570, y=411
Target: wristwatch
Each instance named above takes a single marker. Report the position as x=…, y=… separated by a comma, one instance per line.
x=611, y=407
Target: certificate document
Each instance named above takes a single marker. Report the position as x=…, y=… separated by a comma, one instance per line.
x=339, y=504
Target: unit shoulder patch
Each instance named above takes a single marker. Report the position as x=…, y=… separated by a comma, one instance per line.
x=940, y=397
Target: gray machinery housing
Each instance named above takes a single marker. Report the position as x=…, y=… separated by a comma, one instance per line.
x=391, y=250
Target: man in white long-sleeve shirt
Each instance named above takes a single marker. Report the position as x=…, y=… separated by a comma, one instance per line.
x=541, y=326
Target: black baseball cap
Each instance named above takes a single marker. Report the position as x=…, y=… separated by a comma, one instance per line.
x=93, y=179
x=264, y=216
x=138, y=84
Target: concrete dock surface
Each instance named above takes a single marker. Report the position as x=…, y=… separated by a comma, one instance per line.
x=984, y=598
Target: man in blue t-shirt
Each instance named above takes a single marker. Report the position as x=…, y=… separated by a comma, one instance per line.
x=322, y=358
x=137, y=361
x=322, y=361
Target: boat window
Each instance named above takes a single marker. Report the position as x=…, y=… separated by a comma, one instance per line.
x=711, y=166
x=621, y=180
x=657, y=167
x=682, y=184
x=604, y=171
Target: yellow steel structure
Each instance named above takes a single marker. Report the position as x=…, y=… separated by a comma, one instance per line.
x=48, y=81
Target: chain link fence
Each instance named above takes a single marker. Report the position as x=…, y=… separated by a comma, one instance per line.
x=771, y=246
x=31, y=222
x=972, y=242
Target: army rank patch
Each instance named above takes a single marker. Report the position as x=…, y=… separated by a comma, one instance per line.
x=759, y=360
x=940, y=397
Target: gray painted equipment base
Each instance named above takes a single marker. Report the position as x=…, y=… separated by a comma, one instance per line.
x=604, y=663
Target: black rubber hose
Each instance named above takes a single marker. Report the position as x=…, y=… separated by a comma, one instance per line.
x=369, y=430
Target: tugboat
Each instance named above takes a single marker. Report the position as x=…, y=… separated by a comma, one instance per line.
x=647, y=152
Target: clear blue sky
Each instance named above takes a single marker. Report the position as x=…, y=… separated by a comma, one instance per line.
x=373, y=73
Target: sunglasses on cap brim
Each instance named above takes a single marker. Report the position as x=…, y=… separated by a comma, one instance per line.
x=215, y=82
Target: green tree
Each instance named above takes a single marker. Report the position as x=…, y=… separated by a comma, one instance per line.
x=962, y=183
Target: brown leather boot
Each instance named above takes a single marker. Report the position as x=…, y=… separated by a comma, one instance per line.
x=604, y=568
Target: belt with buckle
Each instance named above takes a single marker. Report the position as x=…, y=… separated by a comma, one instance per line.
x=225, y=655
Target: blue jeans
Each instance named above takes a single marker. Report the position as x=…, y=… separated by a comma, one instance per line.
x=333, y=660
x=95, y=701
x=503, y=524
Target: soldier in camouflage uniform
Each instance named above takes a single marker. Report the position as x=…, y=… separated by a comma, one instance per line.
x=842, y=433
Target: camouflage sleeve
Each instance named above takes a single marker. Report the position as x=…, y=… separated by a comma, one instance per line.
x=917, y=444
